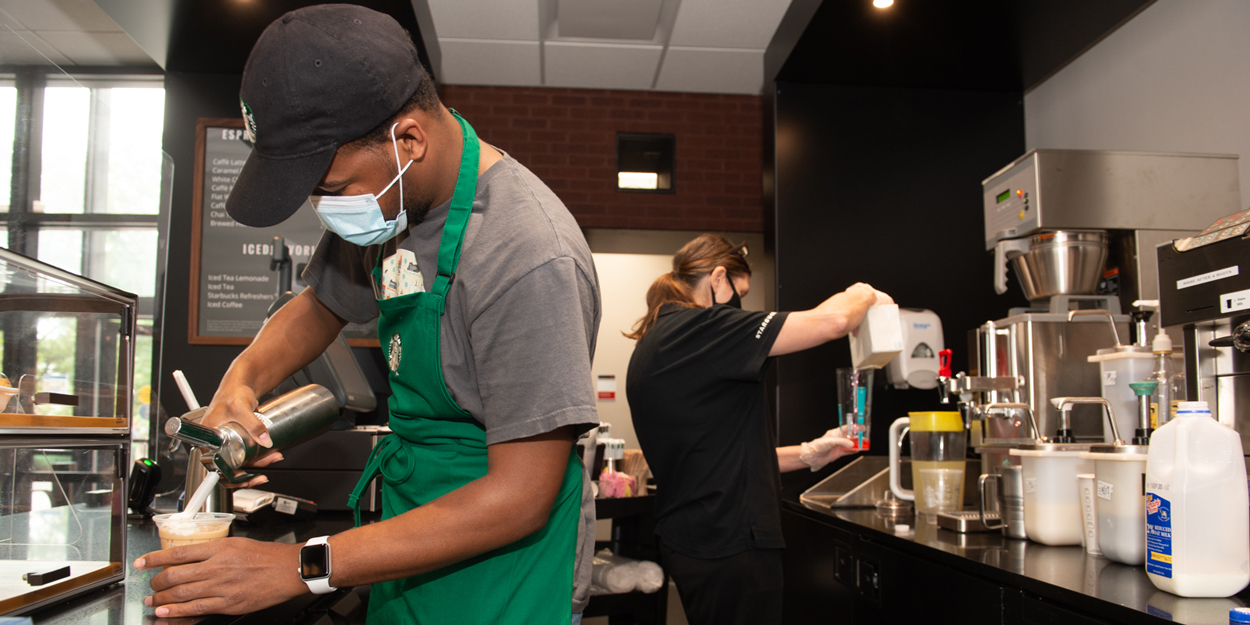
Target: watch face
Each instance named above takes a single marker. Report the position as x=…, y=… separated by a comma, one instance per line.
x=314, y=561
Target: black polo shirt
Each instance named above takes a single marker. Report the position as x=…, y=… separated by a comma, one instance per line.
x=696, y=394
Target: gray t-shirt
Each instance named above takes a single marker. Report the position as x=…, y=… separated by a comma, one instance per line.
x=521, y=320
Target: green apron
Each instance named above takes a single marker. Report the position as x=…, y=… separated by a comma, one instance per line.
x=438, y=447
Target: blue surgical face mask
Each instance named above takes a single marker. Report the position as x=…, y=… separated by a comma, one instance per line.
x=358, y=218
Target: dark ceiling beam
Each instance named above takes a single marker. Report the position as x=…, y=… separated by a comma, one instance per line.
x=428, y=38
x=973, y=45
x=216, y=36
x=793, y=24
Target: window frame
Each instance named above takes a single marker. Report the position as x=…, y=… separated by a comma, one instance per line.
x=23, y=224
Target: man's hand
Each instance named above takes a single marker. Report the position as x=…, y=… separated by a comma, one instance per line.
x=227, y=576
x=237, y=403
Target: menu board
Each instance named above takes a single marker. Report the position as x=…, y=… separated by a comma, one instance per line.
x=232, y=282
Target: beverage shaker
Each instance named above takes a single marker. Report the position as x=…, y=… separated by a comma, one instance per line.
x=1009, y=487
x=1011, y=503
x=291, y=419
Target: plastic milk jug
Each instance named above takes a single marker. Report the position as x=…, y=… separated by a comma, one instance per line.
x=1197, y=510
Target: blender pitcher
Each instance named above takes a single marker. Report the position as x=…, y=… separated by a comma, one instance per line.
x=939, y=445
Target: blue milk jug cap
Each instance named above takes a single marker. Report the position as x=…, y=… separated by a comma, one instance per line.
x=1239, y=615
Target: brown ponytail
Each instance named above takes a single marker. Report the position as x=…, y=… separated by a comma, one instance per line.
x=693, y=261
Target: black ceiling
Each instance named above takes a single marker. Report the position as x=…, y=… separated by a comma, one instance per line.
x=983, y=45
x=217, y=35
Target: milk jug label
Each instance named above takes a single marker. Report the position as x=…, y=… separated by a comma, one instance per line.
x=1158, y=536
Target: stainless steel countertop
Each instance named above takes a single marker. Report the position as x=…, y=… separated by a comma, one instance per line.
x=123, y=603
x=1065, y=574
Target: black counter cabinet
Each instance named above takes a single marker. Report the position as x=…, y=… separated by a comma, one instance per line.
x=851, y=566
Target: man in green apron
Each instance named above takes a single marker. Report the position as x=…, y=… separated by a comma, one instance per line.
x=487, y=305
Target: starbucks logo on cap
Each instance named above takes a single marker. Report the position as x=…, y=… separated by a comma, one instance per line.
x=395, y=353
x=249, y=121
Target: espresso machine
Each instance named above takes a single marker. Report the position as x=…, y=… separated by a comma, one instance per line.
x=1079, y=228
x=1204, y=291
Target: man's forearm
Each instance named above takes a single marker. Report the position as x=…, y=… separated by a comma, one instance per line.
x=295, y=335
x=511, y=502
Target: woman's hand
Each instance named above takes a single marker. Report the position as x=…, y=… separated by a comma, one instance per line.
x=820, y=452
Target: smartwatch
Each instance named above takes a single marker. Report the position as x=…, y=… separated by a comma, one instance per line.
x=314, y=565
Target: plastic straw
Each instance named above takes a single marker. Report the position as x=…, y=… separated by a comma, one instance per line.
x=200, y=496
x=187, y=394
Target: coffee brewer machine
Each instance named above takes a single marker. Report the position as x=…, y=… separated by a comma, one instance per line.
x=1080, y=229
x=1203, y=290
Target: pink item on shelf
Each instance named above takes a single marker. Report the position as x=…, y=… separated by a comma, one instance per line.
x=614, y=484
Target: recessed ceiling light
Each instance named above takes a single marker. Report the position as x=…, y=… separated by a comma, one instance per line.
x=882, y=4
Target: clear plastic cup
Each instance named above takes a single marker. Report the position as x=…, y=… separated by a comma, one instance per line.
x=204, y=527
x=855, y=405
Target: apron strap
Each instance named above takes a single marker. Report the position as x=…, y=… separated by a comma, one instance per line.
x=373, y=468
x=458, y=214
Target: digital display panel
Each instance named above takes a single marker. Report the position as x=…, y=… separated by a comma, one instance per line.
x=1002, y=196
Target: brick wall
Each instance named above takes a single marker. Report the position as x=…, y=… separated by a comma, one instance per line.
x=568, y=138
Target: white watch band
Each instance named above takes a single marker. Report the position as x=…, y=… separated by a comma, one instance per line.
x=321, y=585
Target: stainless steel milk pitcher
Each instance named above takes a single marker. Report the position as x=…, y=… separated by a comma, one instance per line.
x=291, y=419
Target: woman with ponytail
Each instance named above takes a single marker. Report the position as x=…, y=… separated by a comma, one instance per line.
x=696, y=393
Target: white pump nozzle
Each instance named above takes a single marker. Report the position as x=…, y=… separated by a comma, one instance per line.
x=1162, y=343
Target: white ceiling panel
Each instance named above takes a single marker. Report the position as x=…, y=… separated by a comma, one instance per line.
x=600, y=66
x=483, y=19
x=727, y=23
x=11, y=22
x=60, y=15
x=96, y=48
x=482, y=62
x=708, y=70
x=25, y=48
x=608, y=19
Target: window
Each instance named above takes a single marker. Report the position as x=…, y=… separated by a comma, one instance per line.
x=92, y=192
x=644, y=163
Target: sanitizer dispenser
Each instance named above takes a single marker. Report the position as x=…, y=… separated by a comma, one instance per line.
x=917, y=365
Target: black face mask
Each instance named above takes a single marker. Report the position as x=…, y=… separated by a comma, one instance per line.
x=735, y=301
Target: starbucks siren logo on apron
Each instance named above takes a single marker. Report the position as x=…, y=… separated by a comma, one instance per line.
x=395, y=350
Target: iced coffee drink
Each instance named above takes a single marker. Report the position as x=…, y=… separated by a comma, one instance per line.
x=204, y=527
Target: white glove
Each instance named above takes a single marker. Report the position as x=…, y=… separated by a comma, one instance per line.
x=820, y=452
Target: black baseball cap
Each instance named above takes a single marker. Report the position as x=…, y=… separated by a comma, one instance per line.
x=318, y=77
